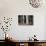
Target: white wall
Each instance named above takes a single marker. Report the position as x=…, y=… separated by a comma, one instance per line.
x=12, y=8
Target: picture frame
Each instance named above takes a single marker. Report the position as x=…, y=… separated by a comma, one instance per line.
x=25, y=19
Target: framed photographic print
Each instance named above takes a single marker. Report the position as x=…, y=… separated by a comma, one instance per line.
x=25, y=19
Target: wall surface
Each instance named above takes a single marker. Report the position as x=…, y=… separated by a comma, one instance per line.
x=13, y=8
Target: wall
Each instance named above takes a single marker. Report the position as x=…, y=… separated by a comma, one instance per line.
x=13, y=8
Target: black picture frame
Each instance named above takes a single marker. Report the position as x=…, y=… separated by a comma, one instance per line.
x=25, y=19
